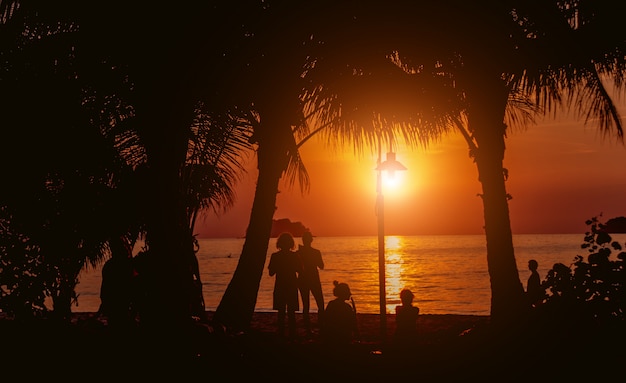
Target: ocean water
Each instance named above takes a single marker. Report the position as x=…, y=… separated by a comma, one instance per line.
x=447, y=273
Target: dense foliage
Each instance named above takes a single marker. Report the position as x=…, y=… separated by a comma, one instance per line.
x=79, y=119
x=592, y=289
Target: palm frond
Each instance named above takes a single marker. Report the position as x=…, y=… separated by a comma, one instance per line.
x=215, y=158
x=7, y=9
x=592, y=102
x=521, y=110
x=296, y=170
x=569, y=51
x=381, y=102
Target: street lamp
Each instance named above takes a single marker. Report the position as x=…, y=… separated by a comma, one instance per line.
x=390, y=165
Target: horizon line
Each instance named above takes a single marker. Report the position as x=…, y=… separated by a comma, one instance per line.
x=394, y=235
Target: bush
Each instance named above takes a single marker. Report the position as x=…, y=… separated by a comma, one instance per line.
x=592, y=288
x=24, y=278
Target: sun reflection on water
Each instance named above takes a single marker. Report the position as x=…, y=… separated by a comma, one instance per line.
x=396, y=270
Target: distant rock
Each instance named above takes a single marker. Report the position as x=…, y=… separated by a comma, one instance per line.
x=285, y=225
x=615, y=225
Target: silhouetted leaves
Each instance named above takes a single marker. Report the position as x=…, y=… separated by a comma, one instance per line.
x=593, y=289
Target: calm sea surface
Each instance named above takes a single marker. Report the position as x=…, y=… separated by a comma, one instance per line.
x=447, y=273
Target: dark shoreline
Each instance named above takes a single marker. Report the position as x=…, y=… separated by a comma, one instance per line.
x=369, y=324
x=450, y=347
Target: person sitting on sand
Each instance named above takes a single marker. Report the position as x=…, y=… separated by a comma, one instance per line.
x=339, y=324
x=406, y=318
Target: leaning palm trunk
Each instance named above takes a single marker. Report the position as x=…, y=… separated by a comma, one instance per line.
x=236, y=308
x=237, y=305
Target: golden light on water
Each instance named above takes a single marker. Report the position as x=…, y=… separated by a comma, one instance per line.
x=395, y=271
x=393, y=242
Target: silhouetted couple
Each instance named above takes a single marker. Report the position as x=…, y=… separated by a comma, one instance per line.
x=295, y=271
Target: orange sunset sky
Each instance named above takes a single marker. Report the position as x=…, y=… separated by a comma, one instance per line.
x=561, y=173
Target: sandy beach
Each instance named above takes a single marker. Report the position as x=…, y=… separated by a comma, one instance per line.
x=449, y=348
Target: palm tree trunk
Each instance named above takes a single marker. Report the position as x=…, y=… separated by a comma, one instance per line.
x=69, y=268
x=486, y=122
x=167, y=229
x=506, y=288
x=236, y=308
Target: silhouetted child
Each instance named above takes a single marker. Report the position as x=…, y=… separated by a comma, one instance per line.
x=309, y=279
x=339, y=324
x=534, y=290
x=406, y=319
x=286, y=266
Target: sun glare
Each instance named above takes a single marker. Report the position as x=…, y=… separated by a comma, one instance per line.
x=392, y=181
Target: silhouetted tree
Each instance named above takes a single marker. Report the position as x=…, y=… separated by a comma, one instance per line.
x=138, y=87
x=168, y=56
x=485, y=68
x=63, y=199
x=373, y=79
x=267, y=73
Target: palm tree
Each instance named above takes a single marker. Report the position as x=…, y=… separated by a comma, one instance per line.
x=174, y=158
x=287, y=120
x=299, y=109
x=518, y=60
x=480, y=83
x=267, y=75
x=212, y=167
x=172, y=59
x=63, y=208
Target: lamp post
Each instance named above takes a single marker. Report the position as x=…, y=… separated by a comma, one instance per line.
x=390, y=165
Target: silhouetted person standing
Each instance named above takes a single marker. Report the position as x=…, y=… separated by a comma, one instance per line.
x=286, y=266
x=117, y=288
x=406, y=319
x=534, y=290
x=309, y=279
x=339, y=324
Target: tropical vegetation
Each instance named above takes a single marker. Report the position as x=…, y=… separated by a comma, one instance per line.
x=164, y=102
x=379, y=74
x=108, y=155
x=590, y=292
